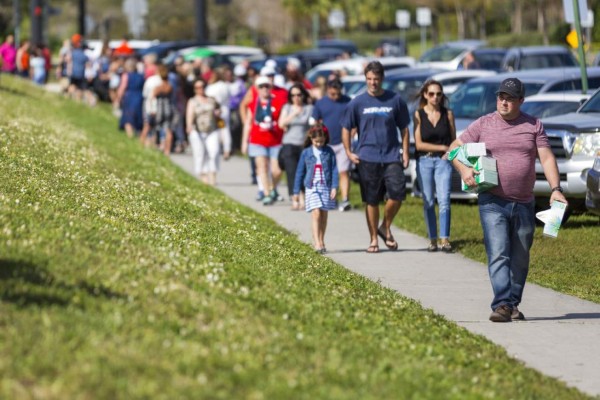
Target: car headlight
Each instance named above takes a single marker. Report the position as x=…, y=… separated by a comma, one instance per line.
x=586, y=144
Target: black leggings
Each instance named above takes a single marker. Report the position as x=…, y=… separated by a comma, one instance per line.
x=288, y=161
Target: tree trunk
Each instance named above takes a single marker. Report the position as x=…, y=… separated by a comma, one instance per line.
x=460, y=22
x=541, y=22
x=517, y=26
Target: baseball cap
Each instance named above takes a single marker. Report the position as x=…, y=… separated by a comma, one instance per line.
x=513, y=87
x=239, y=70
x=267, y=70
x=262, y=80
x=76, y=38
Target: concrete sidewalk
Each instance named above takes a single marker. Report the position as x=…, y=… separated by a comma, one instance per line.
x=560, y=338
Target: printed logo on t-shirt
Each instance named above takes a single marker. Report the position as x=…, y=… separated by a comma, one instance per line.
x=377, y=110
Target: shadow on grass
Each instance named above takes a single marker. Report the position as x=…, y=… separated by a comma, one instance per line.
x=14, y=91
x=26, y=284
x=462, y=243
x=566, y=317
x=593, y=221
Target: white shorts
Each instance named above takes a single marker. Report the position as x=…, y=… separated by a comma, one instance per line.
x=343, y=162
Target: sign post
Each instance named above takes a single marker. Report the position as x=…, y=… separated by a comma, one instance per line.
x=582, y=63
x=423, y=20
x=336, y=20
x=403, y=23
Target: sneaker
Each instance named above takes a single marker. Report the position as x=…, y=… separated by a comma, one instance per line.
x=502, y=314
x=260, y=195
x=344, y=206
x=275, y=194
x=270, y=199
x=516, y=314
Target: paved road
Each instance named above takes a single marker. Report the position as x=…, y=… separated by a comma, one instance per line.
x=561, y=337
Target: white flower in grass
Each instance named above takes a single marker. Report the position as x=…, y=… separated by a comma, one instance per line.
x=299, y=336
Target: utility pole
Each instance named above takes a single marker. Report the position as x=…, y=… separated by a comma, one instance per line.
x=17, y=22
x=201, y=31
x=582, y=63
x=81, y=18
x=37, y=22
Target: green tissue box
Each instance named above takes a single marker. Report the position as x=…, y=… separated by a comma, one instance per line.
x=486, y=180
x=485, y=163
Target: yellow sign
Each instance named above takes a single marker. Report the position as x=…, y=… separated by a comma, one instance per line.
x=572, y=39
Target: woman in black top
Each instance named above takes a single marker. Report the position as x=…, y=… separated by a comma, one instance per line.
x=434, y=131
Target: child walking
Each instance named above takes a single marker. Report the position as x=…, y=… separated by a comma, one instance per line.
x=317, y=170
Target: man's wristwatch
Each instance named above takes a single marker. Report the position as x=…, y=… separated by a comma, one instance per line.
x=557, y=189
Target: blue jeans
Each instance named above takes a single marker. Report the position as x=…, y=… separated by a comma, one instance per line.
x=508, y=229
x=435, y=174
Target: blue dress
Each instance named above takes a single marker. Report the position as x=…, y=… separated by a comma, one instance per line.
x=132, y=102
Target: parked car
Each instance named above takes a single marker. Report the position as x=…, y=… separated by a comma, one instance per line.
x=312, y=57
x=221, y=54
x=163, y=49
x=552, y=104
x=478, y=97
x=536, y=57
x=451, y=80
x=448, y=55
x=489, y=58
x=347, y=46
x=592, y=197
x=356, y=66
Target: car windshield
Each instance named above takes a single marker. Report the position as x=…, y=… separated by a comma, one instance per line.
x=474, y=99
x=491, y=61
x=543, y=109
x=592, y=105
x=407, y=86
x=535, y=61
x=441, y=54
x=352, y=88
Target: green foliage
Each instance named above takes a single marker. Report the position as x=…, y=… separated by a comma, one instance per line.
x=123, y=277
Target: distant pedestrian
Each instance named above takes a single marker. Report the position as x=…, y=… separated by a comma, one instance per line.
x=377, y=116
x=131, y=99
x=23, y=58
x=262, y=134
x=507, y=211
x=295, y=120
x=317, y=172
x=38, y=67
x=434, y=131
x=329, y=110
x=201, y=118
x=76, y=64
x=8, y=56
x=163, y=110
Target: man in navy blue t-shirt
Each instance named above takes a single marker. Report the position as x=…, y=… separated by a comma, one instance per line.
x=330, y=110
x=377, y=115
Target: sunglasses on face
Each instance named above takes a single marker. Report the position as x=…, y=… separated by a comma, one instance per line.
x=509, y=99
x=263, y=86
x=296, y=94
x=199, y=87
x=436, y=94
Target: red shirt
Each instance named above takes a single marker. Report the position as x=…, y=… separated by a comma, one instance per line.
x=267, y=132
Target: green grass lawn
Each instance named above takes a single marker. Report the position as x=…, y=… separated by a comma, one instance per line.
x=123, y=277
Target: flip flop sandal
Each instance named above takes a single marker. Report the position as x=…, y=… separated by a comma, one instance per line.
x=373, y=249
x=393, y=246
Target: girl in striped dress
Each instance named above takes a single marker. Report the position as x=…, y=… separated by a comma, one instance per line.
x=317, y=169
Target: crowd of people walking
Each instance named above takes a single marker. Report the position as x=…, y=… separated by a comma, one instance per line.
x=316, y=135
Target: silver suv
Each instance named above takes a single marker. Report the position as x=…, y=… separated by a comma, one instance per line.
x=575, y=141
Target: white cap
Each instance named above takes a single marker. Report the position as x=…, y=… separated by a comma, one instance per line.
x=293, y=62
x=239, y=70
x=267, y=70
x=271, y=63
x=262, y=80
